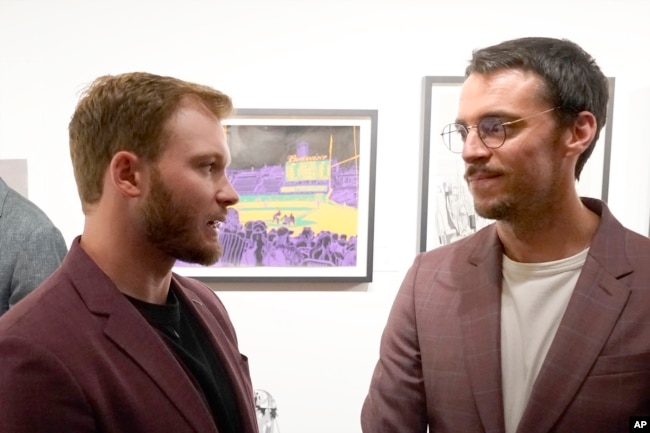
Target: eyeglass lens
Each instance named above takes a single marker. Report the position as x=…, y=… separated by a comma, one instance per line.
x=490, y=130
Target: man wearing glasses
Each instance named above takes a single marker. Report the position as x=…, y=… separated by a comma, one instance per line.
x=538, y=322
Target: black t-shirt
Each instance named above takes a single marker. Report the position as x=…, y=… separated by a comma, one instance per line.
x=185, y=337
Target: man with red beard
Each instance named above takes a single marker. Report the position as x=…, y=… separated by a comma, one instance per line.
x=538, y=322
x=114, y=341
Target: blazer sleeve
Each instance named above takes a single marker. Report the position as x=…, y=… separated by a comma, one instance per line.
x=24, y=408
x=43, y=252
x=396, y=400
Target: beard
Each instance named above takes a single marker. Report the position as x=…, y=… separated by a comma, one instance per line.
x=497, y=211
x=170, y=225
x=521, y=204
x=494, y=210
x=527, y=198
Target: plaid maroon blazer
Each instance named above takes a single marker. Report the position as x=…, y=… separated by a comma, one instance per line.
x=440, y=362
x=76, y=356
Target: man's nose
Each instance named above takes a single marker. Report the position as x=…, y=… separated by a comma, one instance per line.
x=473, y=147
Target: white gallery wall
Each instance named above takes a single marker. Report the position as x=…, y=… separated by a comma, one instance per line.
x=313, y=346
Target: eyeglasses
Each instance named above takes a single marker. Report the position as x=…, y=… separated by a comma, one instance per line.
x=491, y=131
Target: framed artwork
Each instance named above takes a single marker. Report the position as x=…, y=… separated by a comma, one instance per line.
x=446, y=206
x=306, y=185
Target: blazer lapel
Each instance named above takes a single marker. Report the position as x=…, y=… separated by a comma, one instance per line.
x=597, y=301
x=480, y=315
x=129, y=330
x=134, y=335
x=228, y=354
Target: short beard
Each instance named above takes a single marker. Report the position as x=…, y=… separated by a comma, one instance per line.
x=168, y=225
x=525, y=209
x=501, y=211
x=496, y=211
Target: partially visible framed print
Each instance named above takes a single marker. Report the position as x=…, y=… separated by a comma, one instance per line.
x=446, y=206
x=305, y=180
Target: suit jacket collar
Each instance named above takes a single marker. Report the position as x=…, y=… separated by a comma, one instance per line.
x=215, y=328
x=597, y=301
x=480, y=312
x=598, y=298
x=129, y=330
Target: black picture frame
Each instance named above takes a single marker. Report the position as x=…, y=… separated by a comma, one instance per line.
x=306, y=180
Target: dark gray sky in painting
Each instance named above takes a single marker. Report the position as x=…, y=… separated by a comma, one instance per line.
x=254, y=146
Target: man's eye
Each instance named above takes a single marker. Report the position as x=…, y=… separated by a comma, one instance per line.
x=490, y=126
x=209, y=167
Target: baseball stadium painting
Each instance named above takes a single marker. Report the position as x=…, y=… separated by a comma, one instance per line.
x=305, y=180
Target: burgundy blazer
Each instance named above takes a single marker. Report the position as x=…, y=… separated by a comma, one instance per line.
x=76, y=356
x=440, y=360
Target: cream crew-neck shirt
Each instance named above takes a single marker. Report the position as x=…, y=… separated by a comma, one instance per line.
x=534, y=297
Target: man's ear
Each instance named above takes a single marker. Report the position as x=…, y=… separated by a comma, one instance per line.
x=582, y=131
x=126, y=173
